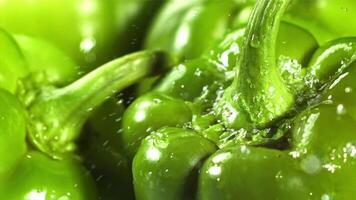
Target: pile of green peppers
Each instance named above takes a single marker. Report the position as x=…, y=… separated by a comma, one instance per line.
x=177, y=100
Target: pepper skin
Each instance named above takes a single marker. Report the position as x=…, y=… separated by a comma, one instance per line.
x=13, y=132
x=12, y=61
x=322, y=18
x=279, y=128
x=51, y=118
x=24, y=58
x=150, y=106
x=39, y=177
x=90, y=32
x=165, y=169
x=198, y=82
x=58, y=68
x=187, y=29
x=188, y=21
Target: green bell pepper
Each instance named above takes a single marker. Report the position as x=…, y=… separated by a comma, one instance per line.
x=11, y=55
x=22, y=55
x=91, y=32
x=42, y=124
x=262, y=99
x=323, y=18
x=188, y=28
x=260, y=124
x=197, y=83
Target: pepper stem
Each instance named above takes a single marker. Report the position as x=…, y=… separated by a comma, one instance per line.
x=258, y=94
x=57, y=116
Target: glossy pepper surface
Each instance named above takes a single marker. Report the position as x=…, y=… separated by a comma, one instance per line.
x=91, y=32
x=256, y=125
x=41, y=119
x=267, y=113
x=188, y=28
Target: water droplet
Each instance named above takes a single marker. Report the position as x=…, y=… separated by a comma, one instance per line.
x=340, y=109
x=105, y=143
x=331, y=167
x=198, y=72
x=87, y=44
x=344, y=9
x=325, y=197
x=311, y=164
x=215, y=170
x=99, y=178
x=155, y=100
x=348, y=90
x=279, y=175
x=294, y=154
x=153, y=154
x=255, y=41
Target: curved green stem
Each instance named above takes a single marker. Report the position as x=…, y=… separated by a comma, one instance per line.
x=57, y=116
x=258, y=94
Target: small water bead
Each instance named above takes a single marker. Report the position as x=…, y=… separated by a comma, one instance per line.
x=279, y=175
x=214, y=170
x=255, y=41
x=221, y=157
x=119, y=163
x=153, y=154
x=311, y=164
x=118, y=119
x=340, y=109
x=105, y=143
x=150, y=173
x=198, y=72
x=36, y=195
x=331, y=167
x=348, y=90
x=325, y=197
x=64, y=198
x=294, y=154
x=244, y=149
x=87, y=44
x=156, y=100
x=99, y=178
x=344, y=9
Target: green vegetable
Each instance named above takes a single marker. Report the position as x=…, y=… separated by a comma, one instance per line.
x=198, y=81
x=41, y=126
x=39, y=177
x=10, y=56
x=266, y=113
x=58, y=68
x=142, y=117
x=188, y=28
x=272, y=118
x=91, y=32
x=327, y=20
